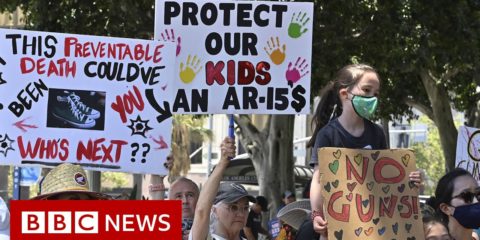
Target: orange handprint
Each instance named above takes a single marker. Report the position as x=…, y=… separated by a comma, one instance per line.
x=276, y=54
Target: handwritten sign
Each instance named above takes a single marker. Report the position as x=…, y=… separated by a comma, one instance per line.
x=367, y=194
x=468, y=150
x=84, y=99
x=238, y=56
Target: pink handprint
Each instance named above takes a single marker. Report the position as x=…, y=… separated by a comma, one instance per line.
x=171, y=37
x=298, y=71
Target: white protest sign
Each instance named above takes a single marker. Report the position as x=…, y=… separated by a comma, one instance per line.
x=468, y=150
x=238, y=56
x=82, y=99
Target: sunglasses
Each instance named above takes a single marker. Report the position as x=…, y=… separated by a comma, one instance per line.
x=469, y=194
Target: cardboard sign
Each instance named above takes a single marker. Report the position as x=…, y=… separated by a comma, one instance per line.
x=238, y=56
x=87, y=100
x=367, y=194
x=468, y=150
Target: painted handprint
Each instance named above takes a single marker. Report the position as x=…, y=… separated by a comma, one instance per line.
x=296, y=24
x=189, y=70
x=298, y=71
x=276, y=54
x=171, y=38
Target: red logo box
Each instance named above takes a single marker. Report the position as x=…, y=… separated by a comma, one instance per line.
x=82, y=220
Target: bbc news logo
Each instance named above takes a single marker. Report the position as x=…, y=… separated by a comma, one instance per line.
x=59, y=222
x=31, y=220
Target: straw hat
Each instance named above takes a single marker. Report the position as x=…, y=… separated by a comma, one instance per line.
x=66, y=178
x=295, y=213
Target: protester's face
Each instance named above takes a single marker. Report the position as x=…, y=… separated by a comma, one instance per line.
x=289, y=199
x=257, y=208
x=367, y=86
x=463, y=188
x=187, y=193
x=233, y=216
x=437, y=231
x=70, y=196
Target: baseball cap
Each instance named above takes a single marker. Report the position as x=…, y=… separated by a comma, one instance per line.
x=287, y=194
x=263, y=202
x=67, y=178
x=232, y=192
x=4, y=221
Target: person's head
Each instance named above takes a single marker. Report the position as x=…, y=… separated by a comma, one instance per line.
x=230, y=208
x=186, y=190
x=67, y=182
x=435, y=229
x=288, y=197
x=456, y=200
x=353, y=91
x=261, y=204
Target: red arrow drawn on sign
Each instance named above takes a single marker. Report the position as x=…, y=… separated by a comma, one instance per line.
x=161, y=143
x=23, y=126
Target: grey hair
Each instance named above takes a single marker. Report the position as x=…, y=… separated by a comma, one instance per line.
x=214, y=219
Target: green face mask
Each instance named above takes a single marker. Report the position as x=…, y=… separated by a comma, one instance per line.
x=364, y=106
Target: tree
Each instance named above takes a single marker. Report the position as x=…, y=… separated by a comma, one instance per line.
x=426, y=53
x=186, y=128
x=271, y=150
x=429, y=156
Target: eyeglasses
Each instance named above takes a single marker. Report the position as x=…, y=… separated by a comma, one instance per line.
x=468, y=194
x=234, y=208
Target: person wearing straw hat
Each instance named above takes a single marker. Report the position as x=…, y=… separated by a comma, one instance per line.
x=67, y=182
x=297, y=215
x=4, y=221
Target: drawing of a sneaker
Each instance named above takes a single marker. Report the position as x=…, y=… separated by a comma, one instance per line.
x=68, y=112
x=90, y=112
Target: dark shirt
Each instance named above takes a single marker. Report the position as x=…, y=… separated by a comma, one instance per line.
x=334, y=135
x=254, y=222
x=306, y=232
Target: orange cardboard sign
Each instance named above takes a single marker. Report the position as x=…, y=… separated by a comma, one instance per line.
x=367, y=194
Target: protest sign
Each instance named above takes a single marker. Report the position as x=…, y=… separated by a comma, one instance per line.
x=238, y=56
x=82, y=99
x=468, y=150
x=367, y=194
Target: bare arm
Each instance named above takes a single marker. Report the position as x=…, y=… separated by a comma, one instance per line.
x=201, y=221
x=316, y=202
x=157, y=189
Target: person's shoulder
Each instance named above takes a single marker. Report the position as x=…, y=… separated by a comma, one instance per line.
x=328, y=130
x=377, y=128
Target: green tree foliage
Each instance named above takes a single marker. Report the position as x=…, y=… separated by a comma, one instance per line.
x=429, y=156
x=117, y=18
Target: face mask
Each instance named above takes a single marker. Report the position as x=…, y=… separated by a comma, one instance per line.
x=364, y=106
x=467, y=215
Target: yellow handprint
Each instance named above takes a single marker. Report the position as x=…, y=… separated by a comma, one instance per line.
x=274, y=52
x=190, y=70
